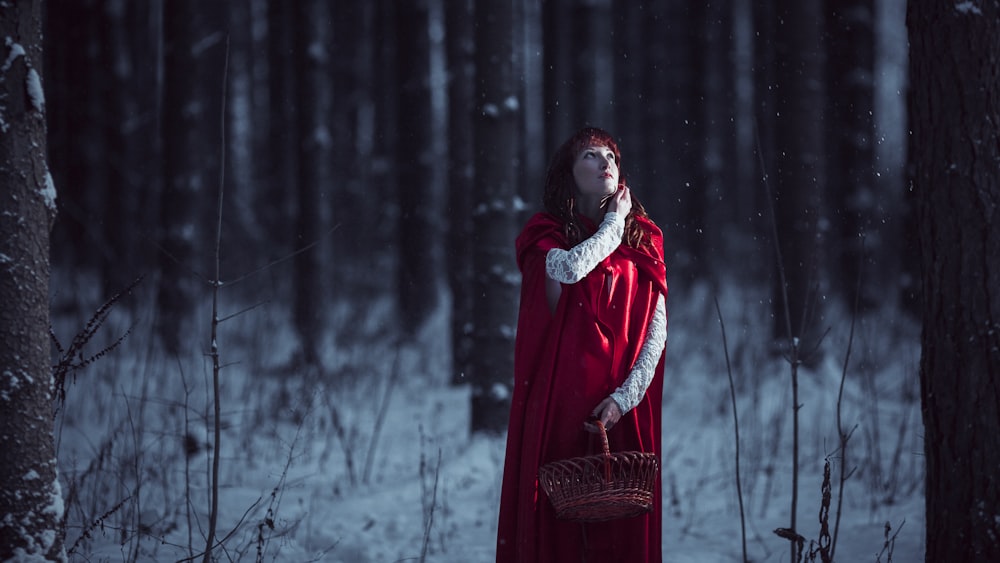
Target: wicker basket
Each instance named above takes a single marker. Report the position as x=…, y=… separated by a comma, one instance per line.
x=601, y=487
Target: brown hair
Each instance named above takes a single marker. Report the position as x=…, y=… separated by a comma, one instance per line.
x=561, y=191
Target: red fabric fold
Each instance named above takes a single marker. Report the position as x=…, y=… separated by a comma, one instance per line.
x=565, y=363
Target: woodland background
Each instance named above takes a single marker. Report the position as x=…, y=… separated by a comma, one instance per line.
x=408, y=142
x=328, y=193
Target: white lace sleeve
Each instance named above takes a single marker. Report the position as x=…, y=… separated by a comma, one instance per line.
x=633, y=390
x=571, y=266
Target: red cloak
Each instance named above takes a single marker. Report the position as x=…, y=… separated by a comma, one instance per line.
x=565, y=363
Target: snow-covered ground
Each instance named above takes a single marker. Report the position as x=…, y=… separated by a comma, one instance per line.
x=363, y=465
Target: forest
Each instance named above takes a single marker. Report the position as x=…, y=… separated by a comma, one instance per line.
x=257, y=267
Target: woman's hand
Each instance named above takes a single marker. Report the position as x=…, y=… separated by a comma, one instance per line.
x=608, y=412
x=621, y=201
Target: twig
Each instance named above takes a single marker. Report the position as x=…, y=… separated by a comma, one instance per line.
x=845, y=436
x=71, y=359
x=429, y=510
x=736, y=430
x=285, y=258
x=99, y=521
x=890, y=542
x=794, y=342
x=216, y=454
x=380, y=418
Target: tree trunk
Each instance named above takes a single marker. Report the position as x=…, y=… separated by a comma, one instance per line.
x=954, y=111
x=314, y=92
x=718, y=118
x=496, y=277
x=122, y=261
x=798, y=169
x=30, y=495
x=195, y=49
x=593, y=64
x=856, y=242
x=631, y=118
x=275, y=206
x=461, y=181
x=418, y=180
x=559, y=79
x=355, y=209
x=677, y=144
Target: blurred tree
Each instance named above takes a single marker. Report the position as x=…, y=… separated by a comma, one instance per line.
x=533, y=154
x=459, y=24
x=632, y=53
x=494, y=213
x=560, y=86
x=798, y=170
x=857, y=234
x=676, y=138
x=129, y=111
x=723, y=231
x=77, y=112
x=240, y=222
x=650, y=165
x=314, y=96
x=356, y=207
x=275, y=205
x=193, y=67
x=419, y=183
x=593, y=64
x=954, y=111
x=30, y=496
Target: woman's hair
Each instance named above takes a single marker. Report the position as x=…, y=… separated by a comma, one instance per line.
x=561, y=191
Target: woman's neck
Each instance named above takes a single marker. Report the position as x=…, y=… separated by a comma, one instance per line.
x=592, y=209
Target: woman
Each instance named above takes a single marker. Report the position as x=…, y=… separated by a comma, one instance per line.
x=590, y=337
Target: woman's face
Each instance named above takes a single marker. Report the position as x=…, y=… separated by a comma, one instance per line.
x=596, y=171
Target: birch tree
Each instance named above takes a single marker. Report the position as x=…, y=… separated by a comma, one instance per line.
x=30, y=496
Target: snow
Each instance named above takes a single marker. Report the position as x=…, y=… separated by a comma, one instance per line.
x=968, y=8
x=35, y=92
x=49, y=192
x=310, y=472
x=16, y=50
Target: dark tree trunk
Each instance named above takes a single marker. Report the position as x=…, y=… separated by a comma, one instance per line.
x=718, y=116
x=240, y=223
x=496, y=142
x=420, y=198
x=127, y=146
x=533, y=156
x=856, y=242
x=560, y=81
x=657, y=180
x=275, y=206
x=677, y=142
x=631, y=56
x=798, y=169
x=30, y=497
x=459, y=24
x=354, y=209
x=954, y=111
x=77, y=112
x=593, y=64
x=314, y=92
x=195, y=51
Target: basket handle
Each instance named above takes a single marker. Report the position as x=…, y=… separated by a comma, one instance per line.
x=605, y=447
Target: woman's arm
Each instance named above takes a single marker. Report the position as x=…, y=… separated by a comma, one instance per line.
x=634, y=389
x=571, y=266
